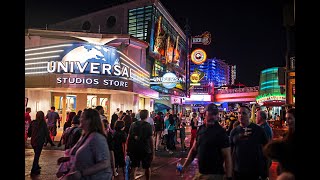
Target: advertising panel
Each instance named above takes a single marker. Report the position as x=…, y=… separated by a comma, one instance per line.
x=166, y=45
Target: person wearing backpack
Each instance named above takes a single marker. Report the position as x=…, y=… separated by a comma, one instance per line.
x=140, y=145
x=72, y=134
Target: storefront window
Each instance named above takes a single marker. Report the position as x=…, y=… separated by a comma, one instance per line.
x=71, y=103
x=91, y=101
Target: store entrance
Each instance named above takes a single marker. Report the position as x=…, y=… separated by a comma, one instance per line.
x=64, y=106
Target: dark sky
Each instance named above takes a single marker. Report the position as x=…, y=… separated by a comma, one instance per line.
x=246, y=33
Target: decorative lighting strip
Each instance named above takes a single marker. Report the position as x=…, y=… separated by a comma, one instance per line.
x=48, y=47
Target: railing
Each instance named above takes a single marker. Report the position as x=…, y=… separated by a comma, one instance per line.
x=237, y=90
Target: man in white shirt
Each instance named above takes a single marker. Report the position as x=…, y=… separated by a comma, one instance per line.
x=151, y=122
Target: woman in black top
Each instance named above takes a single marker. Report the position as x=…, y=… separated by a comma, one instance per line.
x=194, y=126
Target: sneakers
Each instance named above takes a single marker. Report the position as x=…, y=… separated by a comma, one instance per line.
x=115, y=174
x=170, y=152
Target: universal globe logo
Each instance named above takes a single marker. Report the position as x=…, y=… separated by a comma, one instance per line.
x=168, y=80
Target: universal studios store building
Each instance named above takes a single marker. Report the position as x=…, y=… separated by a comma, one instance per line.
x=76, y=70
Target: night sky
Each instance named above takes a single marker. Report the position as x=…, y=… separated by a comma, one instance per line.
x=247, y=33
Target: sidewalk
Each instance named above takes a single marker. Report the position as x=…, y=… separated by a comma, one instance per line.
x=162, y=167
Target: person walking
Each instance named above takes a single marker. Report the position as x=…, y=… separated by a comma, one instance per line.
x=194, y=127
x=212, y=148
x=140, y=145
x=171, y=127
x=52, y=119
x=158, y=128
x=27, y=121
x=247, y=141
x=38, y=131
x=119, y=140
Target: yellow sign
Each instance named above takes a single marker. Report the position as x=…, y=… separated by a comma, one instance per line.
x=198, y=56
x=195, y=77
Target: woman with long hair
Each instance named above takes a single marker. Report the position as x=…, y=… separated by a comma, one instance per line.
x=282, y=150
x=38, y=131
x=90, y=156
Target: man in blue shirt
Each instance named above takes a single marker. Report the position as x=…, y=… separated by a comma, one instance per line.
x=261, y=120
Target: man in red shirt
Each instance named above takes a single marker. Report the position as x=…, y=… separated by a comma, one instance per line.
x=27, y=121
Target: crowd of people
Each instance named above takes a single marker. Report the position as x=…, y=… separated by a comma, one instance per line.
x=96, y=148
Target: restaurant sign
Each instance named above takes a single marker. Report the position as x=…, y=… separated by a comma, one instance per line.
x=270, y=97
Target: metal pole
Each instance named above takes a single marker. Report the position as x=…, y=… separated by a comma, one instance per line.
x=187, y=30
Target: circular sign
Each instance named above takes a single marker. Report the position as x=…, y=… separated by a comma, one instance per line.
x=195, y=77
x=198, y=56
x=169, y=80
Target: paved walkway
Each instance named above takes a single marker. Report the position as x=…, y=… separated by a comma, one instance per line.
x=163, y=166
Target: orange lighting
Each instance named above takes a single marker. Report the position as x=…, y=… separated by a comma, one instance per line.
x=198, y=56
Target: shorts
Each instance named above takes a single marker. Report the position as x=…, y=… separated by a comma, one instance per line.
x=52, y=130
x=146, y=160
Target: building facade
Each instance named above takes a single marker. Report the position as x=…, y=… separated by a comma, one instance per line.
x=148, y=21
x=77, y=70
x=271, y=95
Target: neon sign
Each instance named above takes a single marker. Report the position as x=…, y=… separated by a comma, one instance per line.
x=168, y=80
x=270, y=97
x=198, y=56
x=85, y=63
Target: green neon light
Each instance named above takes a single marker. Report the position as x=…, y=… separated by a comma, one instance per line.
x=268, y=87
x=271, y=97
x=271, y=81
x=270, y=70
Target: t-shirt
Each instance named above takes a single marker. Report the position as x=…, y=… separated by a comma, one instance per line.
x=27, y=118
x=182, y=132
x=52, y=118
x=267, y=129
x=247, y=152
x=193, y=124
x=210, y=140
x=139, y=138
x=158, y=123
x=94, y=149
x=150, y=121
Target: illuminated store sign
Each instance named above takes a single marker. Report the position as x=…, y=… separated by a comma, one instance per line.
x=198, y=56
x=270, y=97
x=84, y=63
x=204, y=39
x=168, y=80
x=197, y=97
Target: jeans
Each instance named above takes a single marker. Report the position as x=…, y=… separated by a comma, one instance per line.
x=37, y=152
x=170, y=140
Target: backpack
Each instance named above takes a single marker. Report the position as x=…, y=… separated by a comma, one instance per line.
x=72, y=137
x=138, y=139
